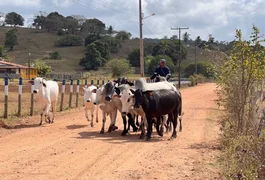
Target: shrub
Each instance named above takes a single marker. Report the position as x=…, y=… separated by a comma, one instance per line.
x=192, y=80
x=42, y=67
x=54, y=55
x=69, y=40
x=61, y=32
x=119, y=67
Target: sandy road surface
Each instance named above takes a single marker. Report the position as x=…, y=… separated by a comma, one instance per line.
x=71, y=149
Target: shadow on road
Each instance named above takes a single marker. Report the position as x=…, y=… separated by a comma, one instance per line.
x=72, y=127
x=116, y=138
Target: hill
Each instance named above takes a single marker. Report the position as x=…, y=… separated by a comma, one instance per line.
x=40, y=44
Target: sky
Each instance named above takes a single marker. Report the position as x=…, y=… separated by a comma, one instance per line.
x=203, y=17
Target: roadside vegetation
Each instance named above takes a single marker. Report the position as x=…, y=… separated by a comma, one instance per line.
x=240, y=90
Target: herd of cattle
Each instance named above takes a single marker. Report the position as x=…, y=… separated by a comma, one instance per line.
x=159, y=103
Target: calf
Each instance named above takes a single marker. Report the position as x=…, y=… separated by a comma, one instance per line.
x=157, y=103
x=90, y=102
x=46, y=95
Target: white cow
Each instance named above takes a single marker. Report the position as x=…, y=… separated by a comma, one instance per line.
x=46, y=95
x=144, y=86
x=90, y=102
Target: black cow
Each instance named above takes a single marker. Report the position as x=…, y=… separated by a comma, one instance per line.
x=110, y=89
x=157, y=103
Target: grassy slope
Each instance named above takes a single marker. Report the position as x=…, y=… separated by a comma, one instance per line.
x=39, y=44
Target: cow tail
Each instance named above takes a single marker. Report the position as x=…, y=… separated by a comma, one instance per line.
x=180, y=113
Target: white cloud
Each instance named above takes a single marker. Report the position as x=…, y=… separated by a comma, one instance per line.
x=62, y=3
x=20, y=2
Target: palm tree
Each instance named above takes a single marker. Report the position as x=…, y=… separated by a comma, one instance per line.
x=186, y=37
x=164, y=47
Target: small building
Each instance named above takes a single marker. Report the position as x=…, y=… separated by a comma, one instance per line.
x=12, y=70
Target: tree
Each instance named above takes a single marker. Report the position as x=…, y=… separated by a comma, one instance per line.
x=93, y=26
x=39, y=22
x=69, y=40
x=110, y=30
x=15, y=19
x=119, y=67
x=54, y=21
x=203, y=68
x=91, y=38
x=42, y=67
x=80, y=19
x=171, y=49
x=92, y=59
x=198, y=40
x=71, y=24
x=114, y=43
x=134, y=57
x=186, y=37
x=11, y=39
x=156, y=60
x=174, y=37
x=104, y=50
x=123, y=35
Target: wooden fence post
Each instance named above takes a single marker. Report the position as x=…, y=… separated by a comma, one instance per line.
x=71, y=93
x=19, y=97
x=92, y=82
x=32, y=99
x=6, y=98
x=86, y=83
x=98, y=82
x=102, y=82
x=62, y=95
x=77, y=93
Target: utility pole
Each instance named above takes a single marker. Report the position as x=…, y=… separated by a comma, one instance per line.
x=141, y=17
x=179, y=28
x=196, y=61
x=141, y=39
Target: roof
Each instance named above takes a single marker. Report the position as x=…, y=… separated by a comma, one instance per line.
x=6, y=65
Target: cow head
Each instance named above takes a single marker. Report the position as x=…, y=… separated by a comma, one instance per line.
x=109, y=91
x=39, y=83
x=90, y=94
x=127, y=101
x=140, y=97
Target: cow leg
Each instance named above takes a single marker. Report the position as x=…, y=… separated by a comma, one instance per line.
x=97, y=113
x=131, y=122
x=137, y=121
x=53, y=111
x=103, y=123
x=86, y=114
x=47, y=111
x=125, y=131
x=41, y=118
x=92, y=116
x=149, y=128
x=180, y=123
x=113, y=117
x=158, y=120
x=175, y=123
x=142, y=128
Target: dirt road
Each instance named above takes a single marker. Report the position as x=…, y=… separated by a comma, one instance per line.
x=71, y=149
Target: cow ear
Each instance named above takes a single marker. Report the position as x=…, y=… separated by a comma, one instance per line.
x=44, y=82
x=44, y=85
x=117, y=90
x=132, y=91
x=130, y=83
x=94, y=91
